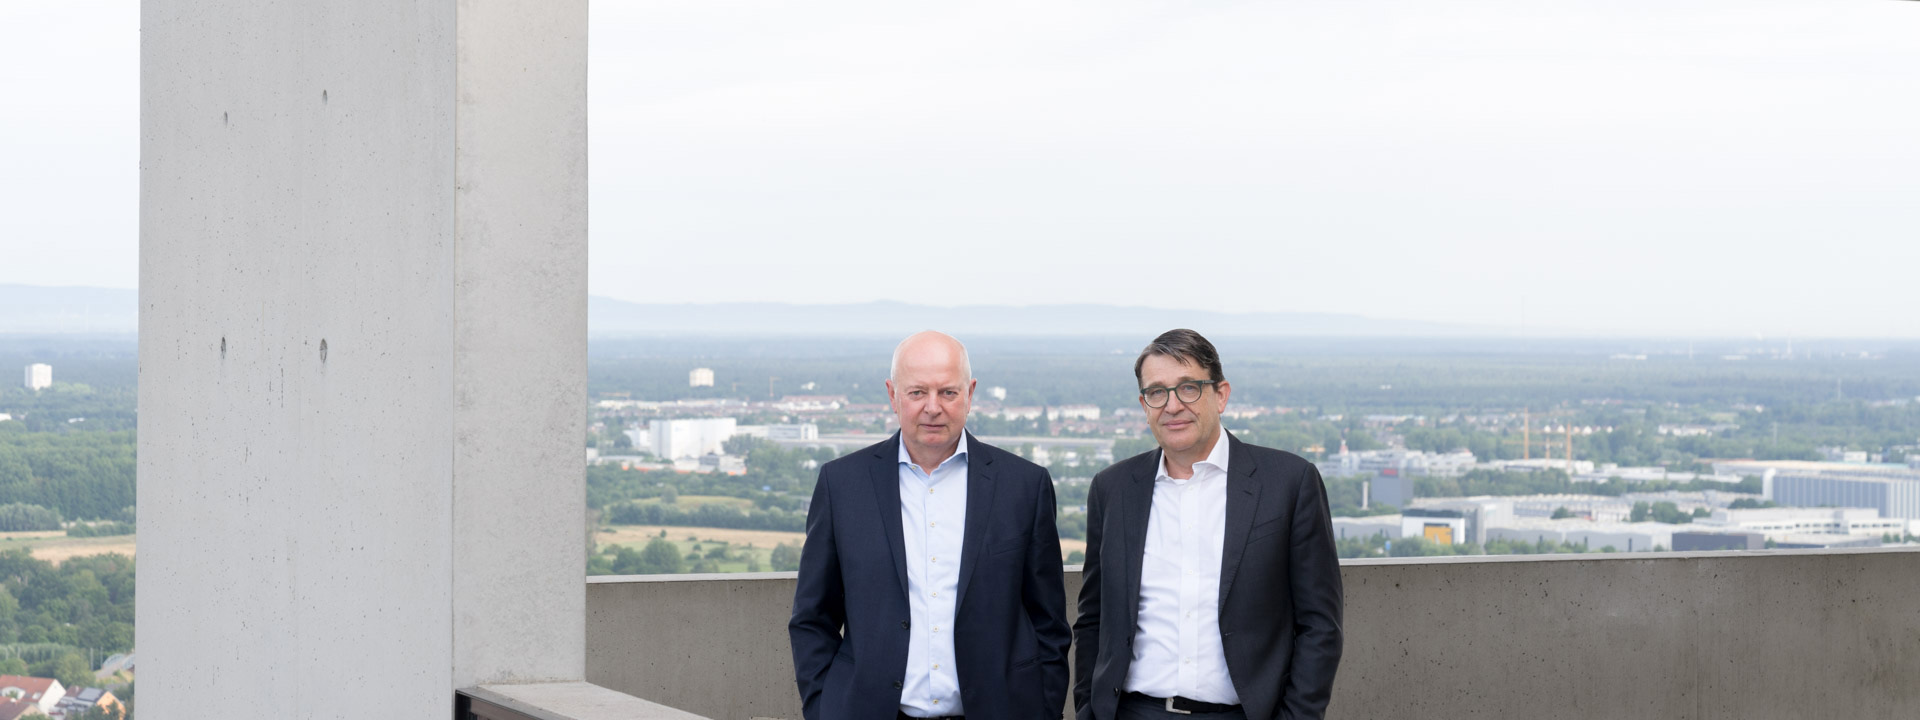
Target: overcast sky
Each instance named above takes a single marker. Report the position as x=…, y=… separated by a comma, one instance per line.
x=1713, y=167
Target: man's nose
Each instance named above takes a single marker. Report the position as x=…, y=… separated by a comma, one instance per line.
x=1174, y=405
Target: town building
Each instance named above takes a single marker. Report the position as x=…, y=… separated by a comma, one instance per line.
x=700, y=377
x=39, y=376
x=76, y=704
x=1404, y=462
x=43, y=693
x=1696, y=541
x=1776, y=523
x=685, y=438
x=1623, y=537
x=1893, y=490
x=1074, y=412
x=1438, y=526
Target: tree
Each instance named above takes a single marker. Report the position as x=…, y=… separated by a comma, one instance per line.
x=1562, y=513
x=69, y=668
x=1076, y=557
x=785, y=558
x=661, y=557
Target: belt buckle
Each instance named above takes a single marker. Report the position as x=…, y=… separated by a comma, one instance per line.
x=1172, y=709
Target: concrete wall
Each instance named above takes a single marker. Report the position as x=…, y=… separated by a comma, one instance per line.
x=1777, y=634
x=362, y=362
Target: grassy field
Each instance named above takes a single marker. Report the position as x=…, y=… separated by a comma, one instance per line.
x=691, y=502
x=54, y=546
x=740, y=543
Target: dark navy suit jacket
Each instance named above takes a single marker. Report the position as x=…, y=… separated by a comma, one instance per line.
x=1280, y=594
x=851, y=620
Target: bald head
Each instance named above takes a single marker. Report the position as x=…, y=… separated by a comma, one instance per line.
x=930, y=348
x=931, y=390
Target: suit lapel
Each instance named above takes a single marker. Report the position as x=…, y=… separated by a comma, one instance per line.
x=886, y=492
x=1243, y=497
x=1137, y=510
x=980, y=486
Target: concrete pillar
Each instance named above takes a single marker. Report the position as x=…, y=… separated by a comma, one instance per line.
x=362, y=353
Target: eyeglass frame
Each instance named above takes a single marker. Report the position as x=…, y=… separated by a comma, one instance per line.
x=1175, y=392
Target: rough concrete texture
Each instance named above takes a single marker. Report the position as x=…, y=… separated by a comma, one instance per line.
x=520, y=345
x=1781, y=634
x=575, y=701
x=332, y=329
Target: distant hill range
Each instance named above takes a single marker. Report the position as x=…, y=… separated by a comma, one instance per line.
x=31, y=309
x=28, y=309
x=613, y=318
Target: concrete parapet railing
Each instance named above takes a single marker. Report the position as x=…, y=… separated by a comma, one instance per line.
x=564, y=701
x=1750, y=635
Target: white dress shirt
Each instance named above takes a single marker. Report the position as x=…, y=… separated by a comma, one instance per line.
x=1176, y=646
x=933, y=512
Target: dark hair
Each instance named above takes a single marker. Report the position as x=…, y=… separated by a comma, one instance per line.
x=1184, y=345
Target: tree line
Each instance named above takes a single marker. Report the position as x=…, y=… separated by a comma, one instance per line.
x=82, y=475
x=81, y=607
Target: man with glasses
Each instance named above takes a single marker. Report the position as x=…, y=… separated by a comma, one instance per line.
x=1211, y=587
x=930, y=581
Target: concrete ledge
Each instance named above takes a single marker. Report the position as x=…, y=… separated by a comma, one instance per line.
x=1743, y=634
x=574, y=701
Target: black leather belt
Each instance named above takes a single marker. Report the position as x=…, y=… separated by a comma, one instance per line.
x=1184, y=706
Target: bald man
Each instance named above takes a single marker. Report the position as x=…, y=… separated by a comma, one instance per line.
x=930, y=583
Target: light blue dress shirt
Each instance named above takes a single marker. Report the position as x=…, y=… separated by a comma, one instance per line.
x=933, y=514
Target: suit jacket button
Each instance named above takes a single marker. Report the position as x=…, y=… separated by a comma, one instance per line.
x=896, y=684
x=906, y=624
x=1116, y=692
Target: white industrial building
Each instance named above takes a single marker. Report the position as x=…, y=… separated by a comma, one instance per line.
x=800, y=431
x=688, y=438
x=1017, y=413
x=700, y=377
x=1402, y=462
x=1074, y=412
x=39, y=376
x=1653, y=473
x=1440, y=527
x=1893, y=490
x=1625, y=537
x=1779, y=522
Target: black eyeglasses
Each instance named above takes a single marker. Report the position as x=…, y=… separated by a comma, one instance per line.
x=1188, y=391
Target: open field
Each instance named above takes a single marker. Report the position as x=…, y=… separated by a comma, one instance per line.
x=55, y=547
x=691, y=502
x=637, y=536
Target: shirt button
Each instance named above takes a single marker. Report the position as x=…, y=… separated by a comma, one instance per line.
x=936, y=595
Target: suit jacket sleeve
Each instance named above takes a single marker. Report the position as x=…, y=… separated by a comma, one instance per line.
x=1045, y=596
x=1086, y=627
x=819, y=602
x=1317, y=602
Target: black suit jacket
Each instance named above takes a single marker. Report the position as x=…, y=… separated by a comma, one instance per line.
x=1280, y=595
x=850, y=614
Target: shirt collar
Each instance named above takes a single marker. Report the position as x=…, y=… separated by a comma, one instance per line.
x=1216, y=457
x=959, y=452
